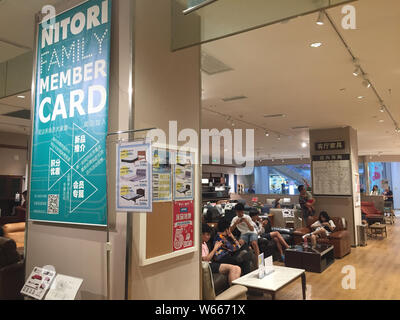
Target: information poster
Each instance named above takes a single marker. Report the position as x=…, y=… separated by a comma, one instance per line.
x=183, y=176
x=38, y=283
x=68, y=176
x=183, y=232
x=64, y=288
x=162, y=175
x=134, y=176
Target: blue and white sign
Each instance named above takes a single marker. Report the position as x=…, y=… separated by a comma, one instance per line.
x=68, y=176
x=134, y=177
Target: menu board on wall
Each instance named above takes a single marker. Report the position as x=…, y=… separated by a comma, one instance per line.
x=332, y=177
x=183, y=176
x=68, y=176
x=134, y=176
x=183, y=227
x=162, y=175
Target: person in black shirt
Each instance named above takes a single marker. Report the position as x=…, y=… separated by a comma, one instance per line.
x=388, y=198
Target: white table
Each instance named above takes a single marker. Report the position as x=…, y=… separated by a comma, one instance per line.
x=272, y=283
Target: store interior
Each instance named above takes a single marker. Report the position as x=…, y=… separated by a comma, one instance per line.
x=297, y=83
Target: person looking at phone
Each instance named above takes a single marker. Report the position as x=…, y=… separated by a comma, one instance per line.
x=231, y=270
x=248, y=234
x=323, y=227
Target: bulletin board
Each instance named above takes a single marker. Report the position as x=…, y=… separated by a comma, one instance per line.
x=157, y=242
x=332, y=178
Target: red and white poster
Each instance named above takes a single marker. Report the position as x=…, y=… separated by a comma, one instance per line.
x=183, y=233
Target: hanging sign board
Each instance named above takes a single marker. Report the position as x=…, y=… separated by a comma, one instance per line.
x=134, y=177
x=68, y=175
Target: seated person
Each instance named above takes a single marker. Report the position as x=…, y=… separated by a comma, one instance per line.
x=277, y=204
x=264, y=230
x=323, y=227
x=244, y=224
x=231, y=252
x=231, y=270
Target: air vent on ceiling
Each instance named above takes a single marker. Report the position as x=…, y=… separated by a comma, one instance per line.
x=280, y=115
x=22, y=114
x=212, y=65
x=301, y=128
x=234, y=98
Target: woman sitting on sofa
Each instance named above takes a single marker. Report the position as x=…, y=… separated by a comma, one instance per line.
x=323, y=227
x=231, y=251
x=231, y=270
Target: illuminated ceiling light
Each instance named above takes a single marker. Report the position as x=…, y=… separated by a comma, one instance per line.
x=366, y=84
x=397, y=129
x=316, y=44
x=304, y=145
x=357, y=71
x=382, y=109
x=266, y=133
x=21, y=97
x=360, y=97
x=278, y=137
x=320, y=20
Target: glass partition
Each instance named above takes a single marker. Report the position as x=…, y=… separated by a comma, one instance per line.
x=216, y=19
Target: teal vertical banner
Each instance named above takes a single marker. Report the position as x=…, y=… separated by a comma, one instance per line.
x=68, y=171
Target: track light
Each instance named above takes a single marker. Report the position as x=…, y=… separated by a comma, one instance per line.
x=397, y=129
x=266, y=133
x=357, y=71
x=382, y=109
x=366, y=84
x=320, y=20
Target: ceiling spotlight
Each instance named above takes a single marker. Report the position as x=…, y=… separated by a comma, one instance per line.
x=397, y=129
x=382, y=109
x=233, y=124
x=316, y=44
x=320, y=20
x=266, y=133
x=304, y=145
x=360, y=97
x=357, y=71
x=366, y=84
x=279, y=137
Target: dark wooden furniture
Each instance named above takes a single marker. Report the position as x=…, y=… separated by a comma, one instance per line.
x=311, y=259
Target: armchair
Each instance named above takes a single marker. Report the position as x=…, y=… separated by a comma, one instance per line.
x=340, y=239
x=372, y=214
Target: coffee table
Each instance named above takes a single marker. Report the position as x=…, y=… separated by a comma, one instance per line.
x=311, y=259
x=272, y=283
x=378, y=229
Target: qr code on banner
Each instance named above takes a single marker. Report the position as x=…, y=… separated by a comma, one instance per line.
x=53, y=203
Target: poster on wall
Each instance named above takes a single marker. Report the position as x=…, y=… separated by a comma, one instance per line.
x=38, y=282
x=183, y=226
x=68, y=176
x=134, y=174
x=183, y=176
x=162, y=175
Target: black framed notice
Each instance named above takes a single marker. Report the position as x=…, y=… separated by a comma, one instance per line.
x=332, y=175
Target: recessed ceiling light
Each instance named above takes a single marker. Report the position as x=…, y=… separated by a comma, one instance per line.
x=381, y=120
x=360, y=97
x=278, y=137
x=316, y=44
x=21, y=97
x=304, y=145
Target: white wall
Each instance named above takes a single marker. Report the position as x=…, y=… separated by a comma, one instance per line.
x=167, y=87
x=396, y=183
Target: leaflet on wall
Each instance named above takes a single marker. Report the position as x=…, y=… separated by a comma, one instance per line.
x=68, y=176
x=38, y=283
x=162, y=175
x=183, y=227
x=64, y=288
x=183, y=176
x=134, y=176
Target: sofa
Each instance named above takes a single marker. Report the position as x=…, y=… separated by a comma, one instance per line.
x=19, y=216
x=16, y=232
x=340, y=239
x=12, y=270
x=370, y=213
x=210, y=293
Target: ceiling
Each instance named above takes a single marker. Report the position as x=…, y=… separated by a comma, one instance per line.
x=17, y=25
x=279, y=73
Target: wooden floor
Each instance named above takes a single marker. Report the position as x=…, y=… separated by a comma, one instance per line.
x=377, y=273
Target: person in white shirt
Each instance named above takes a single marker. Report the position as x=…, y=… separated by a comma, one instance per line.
x=323, y=227
x=244, y=224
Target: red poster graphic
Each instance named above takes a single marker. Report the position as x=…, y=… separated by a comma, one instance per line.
x=183, y=233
